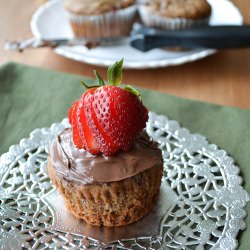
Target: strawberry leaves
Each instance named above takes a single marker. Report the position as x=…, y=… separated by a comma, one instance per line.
x=114, y=79
x=133, y=91
x=99, y=79
x=115, y=73
x=114, y=76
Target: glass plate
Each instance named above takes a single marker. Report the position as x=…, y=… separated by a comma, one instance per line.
x=50, y=21
x=201, y=203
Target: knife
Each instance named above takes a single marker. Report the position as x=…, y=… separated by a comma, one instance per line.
x=145, y=39
x=214, y=37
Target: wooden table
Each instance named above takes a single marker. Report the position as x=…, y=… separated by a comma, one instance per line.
x=223, y=78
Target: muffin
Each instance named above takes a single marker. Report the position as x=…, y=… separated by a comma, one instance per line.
x=98, y=19
x=174, y=14
x=105, y=166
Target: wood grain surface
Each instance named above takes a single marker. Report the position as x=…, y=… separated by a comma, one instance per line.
x=223, y=78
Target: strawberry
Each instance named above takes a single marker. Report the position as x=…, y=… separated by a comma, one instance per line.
x=107, y=118
x=84, y=127
x=77, y=139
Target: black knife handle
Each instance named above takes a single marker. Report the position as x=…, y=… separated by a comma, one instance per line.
x=217, y=37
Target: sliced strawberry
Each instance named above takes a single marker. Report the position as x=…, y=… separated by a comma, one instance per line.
x=106, y=144
x=70, y=113
x=94, y=138
x=100, y=115
x=73, y=120
x=83, y=126
x=107, y=119
x=119, y=117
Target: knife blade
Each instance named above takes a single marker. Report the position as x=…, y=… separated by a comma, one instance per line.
x=145, y=39
x=21, y=44
x=214, y=37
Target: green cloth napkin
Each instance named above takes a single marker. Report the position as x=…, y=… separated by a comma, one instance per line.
x=32, y=98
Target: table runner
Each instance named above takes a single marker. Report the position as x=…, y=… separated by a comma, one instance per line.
x=32, y=98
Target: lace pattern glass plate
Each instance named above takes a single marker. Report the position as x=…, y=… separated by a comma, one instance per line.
x=50, y=21
x=201, y=203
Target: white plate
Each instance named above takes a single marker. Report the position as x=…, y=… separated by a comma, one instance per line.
x=50, y=21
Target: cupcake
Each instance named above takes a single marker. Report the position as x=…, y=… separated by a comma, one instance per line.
x=174, y=14
x=98, y=19
x=105, y=166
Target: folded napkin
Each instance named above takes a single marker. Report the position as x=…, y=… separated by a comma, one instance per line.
x=32, y=98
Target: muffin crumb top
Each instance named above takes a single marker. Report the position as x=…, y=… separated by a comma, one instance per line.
x=95, y=7
x=193, y=9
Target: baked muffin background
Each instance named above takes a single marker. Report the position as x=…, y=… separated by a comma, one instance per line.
x=96, y=19
x=96, y=7
x=174, y=14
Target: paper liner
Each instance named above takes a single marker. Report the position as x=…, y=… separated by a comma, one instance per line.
x=113, y=203
x=109, y=25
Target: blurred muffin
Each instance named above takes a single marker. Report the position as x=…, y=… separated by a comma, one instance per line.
x=95, y=19
x=174, y=14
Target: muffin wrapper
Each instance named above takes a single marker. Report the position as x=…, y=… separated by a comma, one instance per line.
x=152, y=20
x=113, y=24
x=110, y=204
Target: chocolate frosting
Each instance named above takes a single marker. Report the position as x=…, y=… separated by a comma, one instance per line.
x=78, y=165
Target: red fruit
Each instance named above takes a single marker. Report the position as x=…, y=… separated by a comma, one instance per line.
x=119, y=117
x=108, y=118
x=70, y=113
x=73, y=121
x=88, y=138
